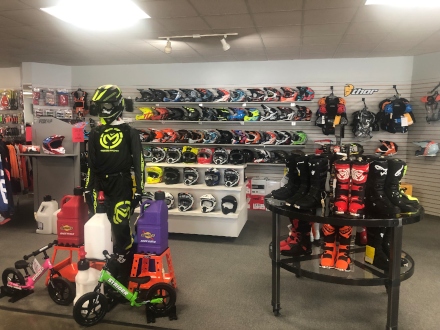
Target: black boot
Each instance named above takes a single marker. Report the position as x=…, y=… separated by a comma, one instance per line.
x=396, y=169
x=375, y=240
x=298, y=243
x=377, y=203
x=293, y=182
x=302, y=168
x=318, y=168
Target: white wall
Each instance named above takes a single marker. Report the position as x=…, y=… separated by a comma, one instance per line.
x=46, y=75
x=10, y=78
x=423, y=172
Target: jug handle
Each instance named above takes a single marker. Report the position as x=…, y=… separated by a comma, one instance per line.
x=147, y=201
x=65, y=199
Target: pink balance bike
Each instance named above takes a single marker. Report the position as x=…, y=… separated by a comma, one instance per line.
x=17, y=287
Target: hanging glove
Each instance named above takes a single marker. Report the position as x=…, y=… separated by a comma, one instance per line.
x=89, y=200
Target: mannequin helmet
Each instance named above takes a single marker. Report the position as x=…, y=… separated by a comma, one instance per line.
x=110, y=103
x=190, y=176
x=185, y=201
x=428, y=148
x=207, y=203
x=154, y=174
x=53, y=145
x=212, y=177
x=388, y=148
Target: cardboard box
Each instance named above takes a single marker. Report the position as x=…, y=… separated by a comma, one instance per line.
x=407, y=188
x=248, y=187
x=257, y=203
x=258, y=186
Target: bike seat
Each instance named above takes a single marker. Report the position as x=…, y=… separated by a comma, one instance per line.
x=140, y=280
x=21, y=264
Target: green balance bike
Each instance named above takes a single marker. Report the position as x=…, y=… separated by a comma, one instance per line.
x=90, y=308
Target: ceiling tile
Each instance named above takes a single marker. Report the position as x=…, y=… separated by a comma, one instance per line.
x=370, y=27
x=318, y=48
x=12, y=4
x=283, y=50
x=363, y=38
x=381, y=13
x=184, y=23
x=246, y=32
x=320, y=4
x=282, y=57
x=245, y=42
x=176, y=44
x=229, y=21
x=278, y=18
x=328, y=16
x=421, y=51
x=6, y=22
x=264, y=6
x=386, y=53
x=281, y=42
x=184, y=53
x=324, y=29
x=402, y=46
x=168, y=8
x=412, y=37
x=280, y=32
x=357, y=47
x=215, y=7
x=316, y=55
x=219, y=58
x=324, y=40
x=28, y=16
x=189, y=60
x=353, y=54
x=139, y=47
x=39, y=3
x=254, y=57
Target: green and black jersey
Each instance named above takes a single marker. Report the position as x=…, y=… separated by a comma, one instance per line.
x=114, y=149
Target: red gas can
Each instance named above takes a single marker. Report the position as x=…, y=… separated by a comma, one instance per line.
x=72, y=218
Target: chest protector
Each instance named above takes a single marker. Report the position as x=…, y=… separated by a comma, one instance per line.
x=331, y=112
x=395, y=115
x=364, y=122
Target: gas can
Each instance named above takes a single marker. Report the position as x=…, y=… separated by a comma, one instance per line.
x=152, y=225
x=44, y=215
x=71, y=219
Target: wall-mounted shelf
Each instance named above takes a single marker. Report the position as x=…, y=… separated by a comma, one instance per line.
x=215, y=123
x=223, y=104
x=163, y=164
x=209, y=145
x=201, y=186
x=47, y=155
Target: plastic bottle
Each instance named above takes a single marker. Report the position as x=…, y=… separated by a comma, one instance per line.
x=98, y=232
x=152, y=225
x=54, y=221
x=87, y=277
x=44, y=215
x=71, y=219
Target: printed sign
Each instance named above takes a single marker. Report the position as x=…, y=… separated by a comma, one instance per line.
x=349, y=89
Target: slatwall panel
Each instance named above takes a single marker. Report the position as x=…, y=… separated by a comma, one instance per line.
x=423, y=172
x=353, y=103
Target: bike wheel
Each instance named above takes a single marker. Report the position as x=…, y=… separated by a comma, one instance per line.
x=90, y=308
x=12, y=275
x=61, y=291
x=164, y=291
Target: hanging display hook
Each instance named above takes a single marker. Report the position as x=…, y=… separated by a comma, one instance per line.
x=331, y=88
x=435, y=88
x=365, y=104
x=397, y=93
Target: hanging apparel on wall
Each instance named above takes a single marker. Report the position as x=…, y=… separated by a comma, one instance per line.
x=331, y=112
x=364, y=123
x=395, y=115
x=80, y=101
x=5, y=179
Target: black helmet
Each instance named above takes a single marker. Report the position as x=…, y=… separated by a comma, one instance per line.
x=236, y=157
x=110, y=103
x=171, y=175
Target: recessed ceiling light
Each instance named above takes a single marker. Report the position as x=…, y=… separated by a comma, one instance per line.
x=405, y=3
x=97, y=15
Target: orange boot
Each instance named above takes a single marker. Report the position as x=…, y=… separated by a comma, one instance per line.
x=328, y=256
x=343, y=261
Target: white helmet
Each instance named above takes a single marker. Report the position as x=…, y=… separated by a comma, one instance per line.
x=207, y=203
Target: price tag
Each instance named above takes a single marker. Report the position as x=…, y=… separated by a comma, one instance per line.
x=28, y=134
x=292, y=104
x=200, y=104
x=36, y=265
x=369, y=254
x=293, y=123
x=403, y=121
x=244, y=105
x=157, y=104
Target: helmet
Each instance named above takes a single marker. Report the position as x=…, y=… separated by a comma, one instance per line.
x=204, y=156
x=270, y=138
x=211, y=136
x=174, y=155
x=196, y=136
x=225, y=137
x=169, y=199
x=222, y=114
x=279, y=156
x=285, y=113
x=238, y=115
x=229, y=204
x=356, y=149
x=146, y=96
x=290, y=94
x=428, y=148
x=110, y=103
x=206, y=95
x=174, y=96
x=175, y=114
x=158, y=135
x=208, y=114
x=252, y=115
x=147, y=154
x=223, y=95
x=272, y=94
x=158, y=154
x=238, y=136
x=249, y=155
x=238, y=95
x=190, y=176
x=191, y=95
x=189, y=154
x=212, y=177
x=232, y=178
x=192, y=114
x=170, y=135
x=299, y=137
x=220, y=156
x=262, y=156
x=388, y=148
x=185, y=201
x=305, y=93
x=183, y=135
x=145, y=135
x=253, y=137
x=52, y=145
x=154, y=174
x=236, y=157
x=160, y=114
x=303, y=113
x=257, y=95
x=159, y=94
x=171, y=175
x=270, y=114
x=283, y=137
x=207, y=203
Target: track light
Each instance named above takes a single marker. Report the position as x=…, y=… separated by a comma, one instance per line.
x=225, y=45
x=168, y=48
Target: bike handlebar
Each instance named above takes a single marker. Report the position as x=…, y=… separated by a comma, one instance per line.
x=37, y=252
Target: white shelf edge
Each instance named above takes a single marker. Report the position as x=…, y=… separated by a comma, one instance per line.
x=207, y=145
x=199, y=213
x=223, y=104
x=200, y=186
x=162, y=164
x=221, y=122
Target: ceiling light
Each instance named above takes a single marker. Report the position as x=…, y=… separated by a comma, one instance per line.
x=405, y=3
x=168, y=48
x=97, y=15
x=225, y=45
